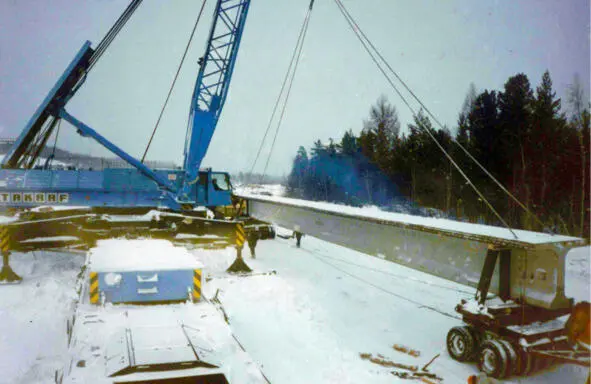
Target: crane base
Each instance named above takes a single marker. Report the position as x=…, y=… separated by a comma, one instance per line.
x=239, y=266
x=8, y=276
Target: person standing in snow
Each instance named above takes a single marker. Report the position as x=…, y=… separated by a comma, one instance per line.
x=298, y=236
x=253, y=238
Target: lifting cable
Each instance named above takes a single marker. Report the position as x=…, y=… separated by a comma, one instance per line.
x=291, y=71
x=394, y=275
x=424, y=107
x=110, y=36
x=178, y=71
x=382, y=289
x=57, y=133
x=368, y=47
x=104, y=44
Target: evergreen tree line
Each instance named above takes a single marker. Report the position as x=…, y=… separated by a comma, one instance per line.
x=519, y=135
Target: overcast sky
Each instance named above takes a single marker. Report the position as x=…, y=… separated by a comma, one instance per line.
x=438, y=47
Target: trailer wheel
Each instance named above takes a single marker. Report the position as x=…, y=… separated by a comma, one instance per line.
x=512, y=357
x=461, y=343
x=493, y=359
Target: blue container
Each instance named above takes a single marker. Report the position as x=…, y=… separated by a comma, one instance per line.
x=142, y=271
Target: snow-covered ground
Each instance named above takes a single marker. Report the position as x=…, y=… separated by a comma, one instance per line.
x=326, y=304
x=33, y=315
x=305, y=316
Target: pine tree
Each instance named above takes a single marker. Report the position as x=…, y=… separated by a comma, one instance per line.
x=515, y=112
x=299, y=172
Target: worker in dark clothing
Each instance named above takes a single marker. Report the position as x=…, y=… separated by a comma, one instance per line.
x=253, y=238
x=297, y=234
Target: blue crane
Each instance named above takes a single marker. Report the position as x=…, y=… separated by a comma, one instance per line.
x=22, y=185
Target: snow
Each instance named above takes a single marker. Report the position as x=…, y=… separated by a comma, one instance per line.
x=205, y=328
x=33, y=316
x=327, y=304
x=304, y=316
x=540, y=327
x=578, y=272
x=118, y=255
x=444, y=225
x=49, y=208
x=7, y=219
x=47, y=239
x=261, y=189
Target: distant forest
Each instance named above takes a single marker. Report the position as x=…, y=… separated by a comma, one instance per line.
x=521, y=136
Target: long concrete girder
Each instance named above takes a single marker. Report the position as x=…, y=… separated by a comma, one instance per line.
x=445, y=248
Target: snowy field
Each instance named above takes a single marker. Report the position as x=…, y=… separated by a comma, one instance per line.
x=305, y=316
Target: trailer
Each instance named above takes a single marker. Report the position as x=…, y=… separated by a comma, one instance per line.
x=530, y=325
x=141, y=318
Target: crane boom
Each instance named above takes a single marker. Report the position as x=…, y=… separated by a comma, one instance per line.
x=22, y=186
x=213, y=80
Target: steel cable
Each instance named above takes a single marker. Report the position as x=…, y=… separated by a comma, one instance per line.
x=295, y=58
x=418, y=100
x=178, y=71
x=113, y=32
x=362, y=39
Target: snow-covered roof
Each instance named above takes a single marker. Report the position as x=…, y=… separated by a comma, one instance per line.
x=454, y=228
x=119, y=255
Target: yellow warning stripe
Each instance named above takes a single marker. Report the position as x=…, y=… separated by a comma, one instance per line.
x=94, y=288
x=4, y=239
x=240, y=235
x=196, y=284
x=5, y=244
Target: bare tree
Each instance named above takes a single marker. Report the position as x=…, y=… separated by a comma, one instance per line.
x=383, y=117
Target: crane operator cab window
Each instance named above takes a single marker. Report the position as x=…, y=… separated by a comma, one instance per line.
x=221, y=181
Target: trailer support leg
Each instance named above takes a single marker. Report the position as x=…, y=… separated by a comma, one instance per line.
x=486, y=275
x=505, y=274
x=7, y=275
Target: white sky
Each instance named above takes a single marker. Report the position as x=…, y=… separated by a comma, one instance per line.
x=438, y=47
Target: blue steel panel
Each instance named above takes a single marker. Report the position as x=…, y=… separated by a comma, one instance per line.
x=174, y=176
x=87, y=188
x=171, y=285
x=116, y=179
x=91, y=180
x=37, y=180
x=64, y=180
x=12, y=178
x=139, y=182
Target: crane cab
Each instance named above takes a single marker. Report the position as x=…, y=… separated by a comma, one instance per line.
x=212, y=189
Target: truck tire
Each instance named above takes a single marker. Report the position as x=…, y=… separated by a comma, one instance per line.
x=493, y=359
x=513, y=358
x=461, y=344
